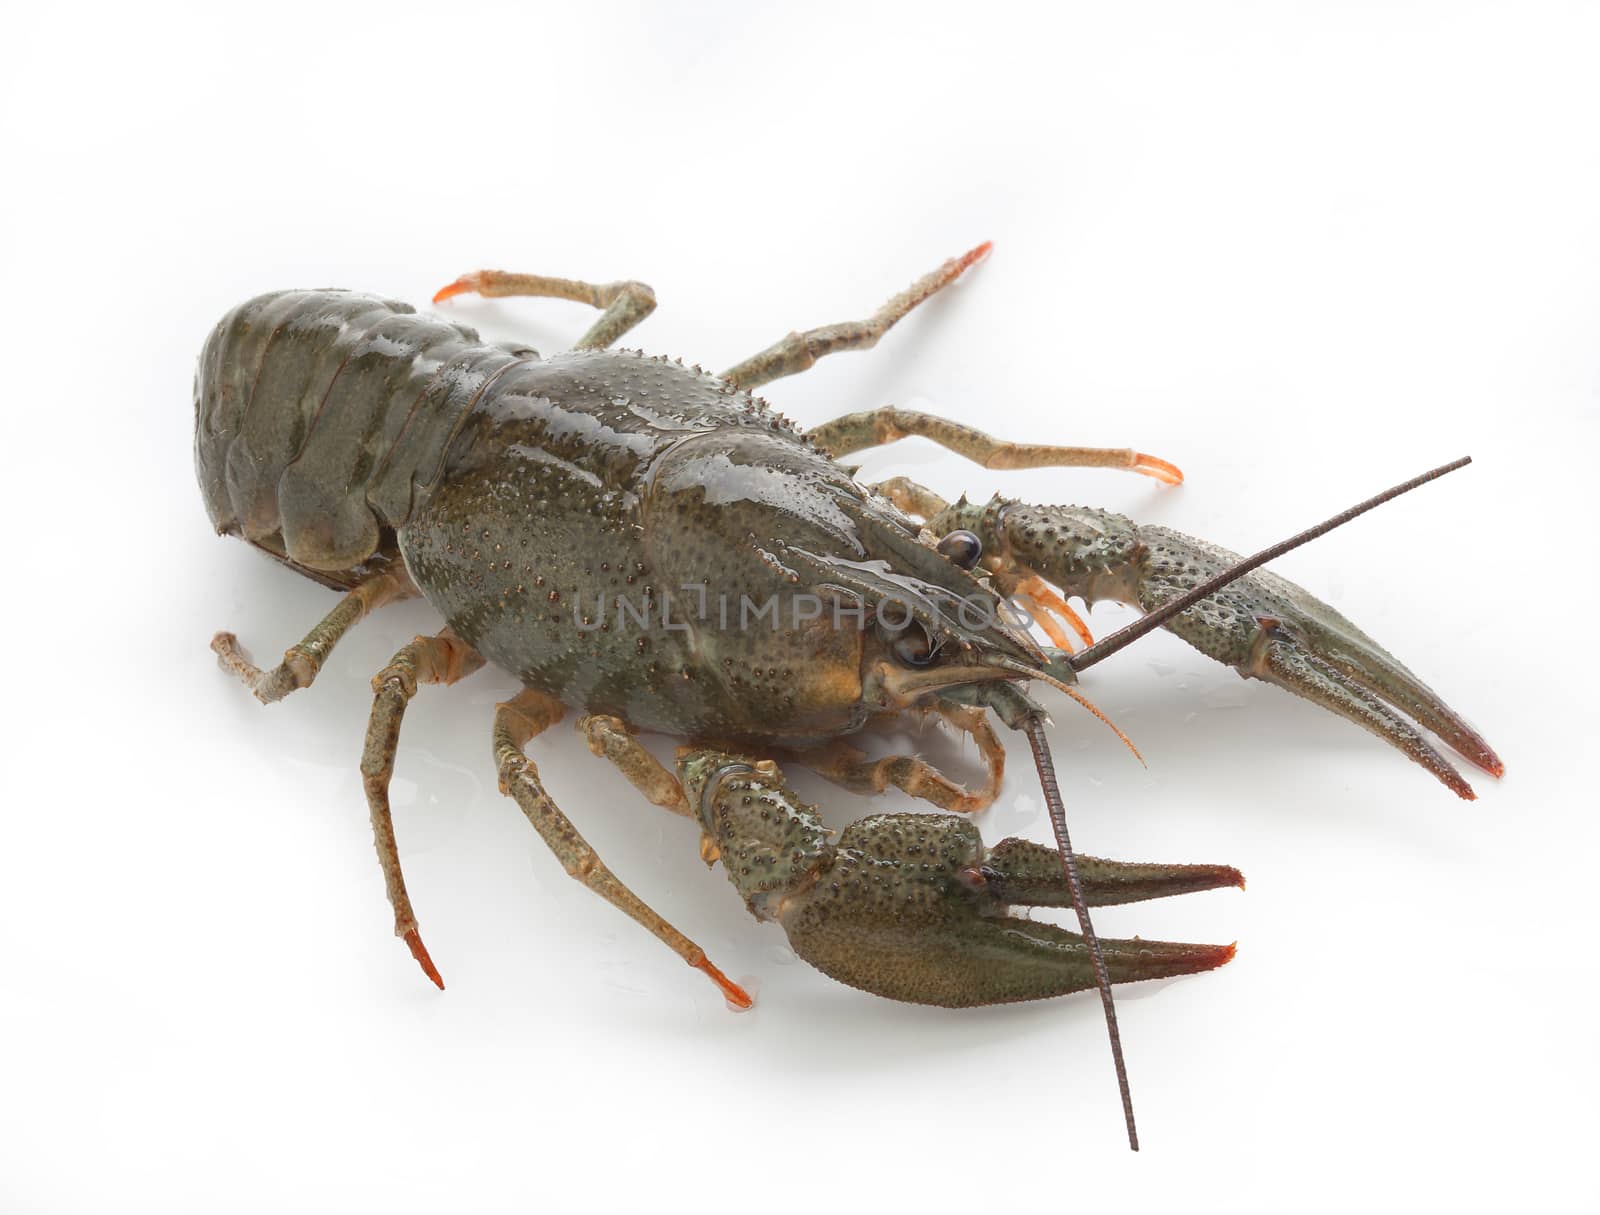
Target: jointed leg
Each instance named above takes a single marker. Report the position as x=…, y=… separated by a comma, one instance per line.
x=442, y=659
x=515, y=722
x=302, y=662
x=1048, y=609
x=874, y=427
x=849, y=767
x=916, y=500
x=625, y=303
x=800, y=350
x=610, y=738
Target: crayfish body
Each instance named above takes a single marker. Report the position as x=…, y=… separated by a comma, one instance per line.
x=654, y=547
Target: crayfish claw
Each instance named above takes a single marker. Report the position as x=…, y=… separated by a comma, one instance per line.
x=1339, y=655
x=915, y=908
x=1263, y=626
x=965, y=958
x=1022, y=873
x=1267, y=628
x=1303, y=674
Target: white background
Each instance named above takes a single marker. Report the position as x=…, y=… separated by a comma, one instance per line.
x=1302, y=250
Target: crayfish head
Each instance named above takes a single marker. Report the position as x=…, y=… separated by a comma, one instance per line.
x=821, y=605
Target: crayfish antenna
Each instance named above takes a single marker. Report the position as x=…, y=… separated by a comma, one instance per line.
x=1106, y=721
x=1034, y=727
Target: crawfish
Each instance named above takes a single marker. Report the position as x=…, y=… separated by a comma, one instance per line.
x=573, y=518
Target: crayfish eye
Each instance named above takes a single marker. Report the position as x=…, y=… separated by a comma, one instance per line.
x=914, y=647
x=961, y=547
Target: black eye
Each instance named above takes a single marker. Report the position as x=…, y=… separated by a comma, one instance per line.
x=914, y=647
x=962, y=547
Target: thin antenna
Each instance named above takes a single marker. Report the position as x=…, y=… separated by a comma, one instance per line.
x=1112, y=642
x=1034, y=726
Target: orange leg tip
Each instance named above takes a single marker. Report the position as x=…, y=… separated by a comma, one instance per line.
x=973, y=256
x=1041, y=593
x=1054, y=631
x=736, y=996
x=1154, y=466
x=1043, y=618
x=420, y=952
x=1077, y=623
x=1225, y=953
x=462, y=285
